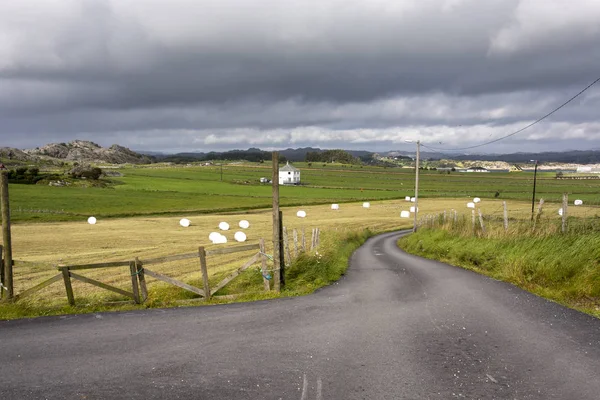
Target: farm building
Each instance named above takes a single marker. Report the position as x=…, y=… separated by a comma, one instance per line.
x=289, y=175
x=474, y=169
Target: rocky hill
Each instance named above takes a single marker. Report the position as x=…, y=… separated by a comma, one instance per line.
x=10, y=153
x=85, y=151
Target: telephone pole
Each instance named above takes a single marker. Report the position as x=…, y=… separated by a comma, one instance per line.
x=417, y=185
x=7, y=290
x=533, y=197
x=416, y=182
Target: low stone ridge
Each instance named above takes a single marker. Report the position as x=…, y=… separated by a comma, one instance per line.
x=11, y=153
x=86, y=151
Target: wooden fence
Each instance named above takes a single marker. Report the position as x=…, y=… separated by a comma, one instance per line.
x=138, y=269
x=298, y=243
x=477, y=220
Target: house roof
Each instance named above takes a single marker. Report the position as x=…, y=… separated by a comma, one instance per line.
x=288, y=168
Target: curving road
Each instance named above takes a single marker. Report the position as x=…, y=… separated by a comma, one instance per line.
x=396, y=327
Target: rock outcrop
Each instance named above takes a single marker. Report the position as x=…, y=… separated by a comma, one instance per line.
x=10, y=153
x=86, y=151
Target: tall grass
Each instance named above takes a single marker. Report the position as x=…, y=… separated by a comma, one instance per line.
x=326, y=265
x=537, y=257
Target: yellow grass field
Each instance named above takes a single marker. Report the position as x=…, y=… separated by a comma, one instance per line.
x=39, y=248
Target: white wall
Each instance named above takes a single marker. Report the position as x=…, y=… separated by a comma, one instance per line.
x=289, y=177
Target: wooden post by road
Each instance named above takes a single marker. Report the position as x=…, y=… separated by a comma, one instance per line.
x=134, y=282
x=142, y=279
x=276, y=224
x=1, y=271
x=281, y=252
x=8, y=261
x=565, y=206
x=263, y=258
x=481, y=221
x=295, y=243
x=286, y=246
x=204, y=269
x=505, y=216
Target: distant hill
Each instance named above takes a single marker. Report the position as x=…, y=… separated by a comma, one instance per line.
x=252, y=154
x=85, y=151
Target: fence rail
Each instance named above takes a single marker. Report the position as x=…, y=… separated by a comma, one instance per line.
x=138, y=270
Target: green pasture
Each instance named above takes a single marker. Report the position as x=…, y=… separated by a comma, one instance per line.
x=164, y=190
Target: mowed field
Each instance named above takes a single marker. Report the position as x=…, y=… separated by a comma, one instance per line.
x=177, y=190
x=139, y=216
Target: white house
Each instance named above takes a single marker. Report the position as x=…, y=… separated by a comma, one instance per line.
x=289, y=175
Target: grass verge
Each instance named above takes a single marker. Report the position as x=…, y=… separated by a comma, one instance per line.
x=562, y=268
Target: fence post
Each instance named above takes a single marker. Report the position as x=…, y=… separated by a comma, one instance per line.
x=318, y=237
x=286, y=246
x=481, y=221
x=204, y=269
x=312, y=239
x=1, y=271
x=134, y=282
x=281, y=252
x=539, y=214
x=263, y=258
x=276, y=224
x=8, y=260
x=303, y=239
x=141, y=278
x=295, y=235
x=473, y=219
x=505, y=216
x=565, y=206
x=68, y=287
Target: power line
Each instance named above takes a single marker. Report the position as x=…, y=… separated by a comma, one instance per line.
x=522, y=129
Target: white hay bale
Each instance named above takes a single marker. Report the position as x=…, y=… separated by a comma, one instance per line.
x=221, y=239
x=335, y=206
x=224, y=226
x=470, y=205
x=476, y=200
x=560, y=211
x=407, y=198
x=92, y=220
x=240, y=236
x=578, y=202
x=244, y=224
x=366, y=205
x=184, y=222
x=404, y=214
x=213, y=236
x=412, y=209
x=301, y=214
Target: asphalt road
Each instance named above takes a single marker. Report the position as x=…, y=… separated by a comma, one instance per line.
x=396, y=327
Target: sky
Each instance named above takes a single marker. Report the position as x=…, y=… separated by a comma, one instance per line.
x=204, y=75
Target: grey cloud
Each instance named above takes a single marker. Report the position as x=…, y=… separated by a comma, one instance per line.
x=187, y=70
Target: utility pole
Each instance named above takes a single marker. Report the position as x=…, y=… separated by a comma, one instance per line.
x=276, y=225
x=8, y=261
x=533, y=197
x=417, y=185
x=416, y=182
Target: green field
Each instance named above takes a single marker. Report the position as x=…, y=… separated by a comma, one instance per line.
x=172, y=190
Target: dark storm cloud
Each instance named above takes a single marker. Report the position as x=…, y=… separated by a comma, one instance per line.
x=221, y=74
